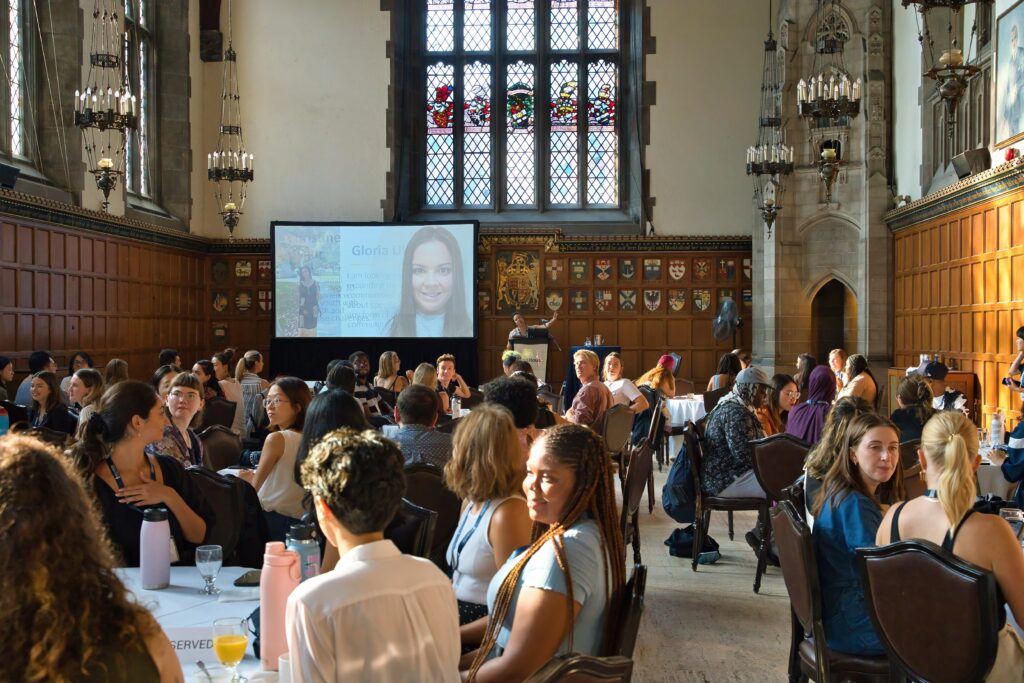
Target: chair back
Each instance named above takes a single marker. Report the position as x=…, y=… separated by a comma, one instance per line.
x=576, y=668
x=922, y=598
x=797, y=495
x=412, y=529
x=51, y=436
x=913, y=482
x=685, y=386
x=554, y=399
x=778, y=461
x=15, y=413
x=448, y=427
x=630, y=611
x=221, y=447
x=618, y=423
x=424, y=486
x=693, y=450
x=639, y=470
x=711, y=398
x=475, y=398
x=225, y=497
x=799, y=570
x=908, y=453
x=655, y=432
x=219, y=411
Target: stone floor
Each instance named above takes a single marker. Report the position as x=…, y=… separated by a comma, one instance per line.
x=709, y=626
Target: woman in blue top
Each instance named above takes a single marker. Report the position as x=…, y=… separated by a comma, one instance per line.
x=537, y=609
x=847, y=517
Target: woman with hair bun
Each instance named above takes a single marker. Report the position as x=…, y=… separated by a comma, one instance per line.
x=914, y=397
x=230, y=386
x=558, y=595
x=944, y=515
x=111, y=457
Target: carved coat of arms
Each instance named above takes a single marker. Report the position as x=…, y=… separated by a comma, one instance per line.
x=518, y=281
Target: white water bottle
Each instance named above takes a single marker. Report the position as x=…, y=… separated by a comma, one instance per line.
x=995, y=433
x=154, y=549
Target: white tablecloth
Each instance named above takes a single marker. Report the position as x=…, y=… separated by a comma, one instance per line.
x=182, y=605
x=681, y=411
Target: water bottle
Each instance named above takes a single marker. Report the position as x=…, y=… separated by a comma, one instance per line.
x=279, y=578
x=995, y=433
x=300, y=541
x=155, y=549
x=5, y=421
x=456, y=405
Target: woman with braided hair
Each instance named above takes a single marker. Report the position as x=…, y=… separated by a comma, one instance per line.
x=561, y=593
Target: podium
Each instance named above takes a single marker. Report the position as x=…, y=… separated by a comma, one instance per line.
x=534, y=350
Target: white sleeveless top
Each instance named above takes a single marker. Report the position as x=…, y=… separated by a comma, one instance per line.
x=279, y=492
x=473, y=566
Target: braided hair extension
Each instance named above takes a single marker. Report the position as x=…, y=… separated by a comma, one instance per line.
x=594, y=495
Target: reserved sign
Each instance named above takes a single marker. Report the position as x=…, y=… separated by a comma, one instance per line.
x=192, y=644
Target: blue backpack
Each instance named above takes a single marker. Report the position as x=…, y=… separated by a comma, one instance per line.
x=679, y=494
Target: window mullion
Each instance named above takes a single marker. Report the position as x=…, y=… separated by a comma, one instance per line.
x=459, y=64
x=541, y=98
x=582, y=97
x=499, y=100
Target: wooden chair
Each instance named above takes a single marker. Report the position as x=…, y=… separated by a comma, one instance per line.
x=908, y=453
x=707, y=503
x=225, y=496
x=657, y=440
x=387, y=396
x=577, y=668
x=15, y=413
x=684, y=387
x=618, y=424
x=425, y=488
x=412, y=529
x=921, y=599
x=711, y=398
x=555, y=400
x=638, y=473
x=810, y=656
x=630, y=611
x=219, y=411
x=221, y=447
x=913, y=481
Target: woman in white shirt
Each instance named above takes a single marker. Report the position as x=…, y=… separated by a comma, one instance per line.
x=274, y=478
x=486, y=470
x=230, y=386
x=623, y=390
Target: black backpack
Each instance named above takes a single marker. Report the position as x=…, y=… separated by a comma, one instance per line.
x=679, y=494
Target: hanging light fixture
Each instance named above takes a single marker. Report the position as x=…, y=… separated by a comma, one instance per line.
x=951, y=71
x=828, y=93
x=105, y=109
x=230, y=166
x=771, y=159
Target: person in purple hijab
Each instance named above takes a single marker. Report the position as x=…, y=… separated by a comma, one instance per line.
x=807, y=419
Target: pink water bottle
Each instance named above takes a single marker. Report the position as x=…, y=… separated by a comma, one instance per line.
x=281, y=574
x=155, y=549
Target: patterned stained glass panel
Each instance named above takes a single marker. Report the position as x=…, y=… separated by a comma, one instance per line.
x=476, y=28
x=440, y=107
x=602, y=137
x=143, y=118
x=564, y=105
x=520, y=136
x=440, y=26
x=520, y=25
x=16, y=77
x=602, y=24
x=476, y=157
x=565, y=31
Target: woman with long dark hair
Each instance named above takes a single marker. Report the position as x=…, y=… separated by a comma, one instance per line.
x=6, y=376
x=725, y=375
x=805, y=364
x=230, y=386
x=203, y=369
x=859, y=380
x=79, y=360
x=433, y=299
x=559, y=595
x=67, y=616
x=48, y=408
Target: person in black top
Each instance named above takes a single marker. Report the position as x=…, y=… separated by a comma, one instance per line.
x=48, y=408
x=126, y=480
x=914, y=397
x=449, y=381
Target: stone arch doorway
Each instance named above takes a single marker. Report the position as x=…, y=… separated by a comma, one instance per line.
x=833, y=320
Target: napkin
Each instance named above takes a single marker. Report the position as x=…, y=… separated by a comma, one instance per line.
x=239, y=594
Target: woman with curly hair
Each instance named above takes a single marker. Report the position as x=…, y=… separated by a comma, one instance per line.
x=561, y=593
x=67, y=616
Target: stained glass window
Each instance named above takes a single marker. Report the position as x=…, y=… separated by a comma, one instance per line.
x=16, y=76
x=513, y=57
x=139, y=57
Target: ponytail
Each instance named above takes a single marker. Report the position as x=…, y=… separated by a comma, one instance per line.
x=948, y=441
x=109, y=423
x=245, y=363
x=92, y=447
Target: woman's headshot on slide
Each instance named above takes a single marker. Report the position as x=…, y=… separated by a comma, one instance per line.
x=433, y=299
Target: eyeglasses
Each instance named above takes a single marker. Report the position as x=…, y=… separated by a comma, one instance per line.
x=267, y=402
x=793, y=394
x=184, y=395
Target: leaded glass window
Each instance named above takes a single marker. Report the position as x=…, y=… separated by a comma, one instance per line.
x=139, y=56
x=552, y=69
x=16, y=76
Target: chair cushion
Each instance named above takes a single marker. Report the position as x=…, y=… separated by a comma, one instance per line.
x=840, y=662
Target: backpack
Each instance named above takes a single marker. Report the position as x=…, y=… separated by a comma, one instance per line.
x=679, y=494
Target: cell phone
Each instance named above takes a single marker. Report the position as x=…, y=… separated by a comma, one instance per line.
x=250, y=578
x=1007, y=381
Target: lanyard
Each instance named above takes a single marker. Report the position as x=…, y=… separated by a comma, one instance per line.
x=461, y=542
x=117, y=474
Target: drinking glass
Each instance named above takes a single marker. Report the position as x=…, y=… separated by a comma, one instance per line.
x=230, y=639
x=208, y=561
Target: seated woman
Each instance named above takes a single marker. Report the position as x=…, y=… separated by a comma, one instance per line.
x=725, y=375
x=94, y=631
x=116, y=371
x=728, y=464
x=807, y=418
x=230, y=386
x=47, y=408
x=774, y=413
x=426, y=374
x=125, y=479
x=859, y=380
x=84, y=392
x=79, y=361
x=162, y=378
x=486, y=470
x=658, y=382
x=247, y=372
x=832, y=442
x=949, y=458
x=388, y=375
x=274, y=478
x=805, y=364
x=203, y=369
x=623, y=390
x=185, y=405
x=557, y=595
x=914, y=397
x=847, y=517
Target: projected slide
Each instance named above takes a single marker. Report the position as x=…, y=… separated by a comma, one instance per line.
x=374, y=280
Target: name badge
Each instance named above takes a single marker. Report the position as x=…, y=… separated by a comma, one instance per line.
x=192, y=643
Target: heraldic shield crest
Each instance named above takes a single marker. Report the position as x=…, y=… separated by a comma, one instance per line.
x=554, y=300
x=652, y=299
x=518, y=281
x=677, y=299
x=677, y=268
x=702, y=299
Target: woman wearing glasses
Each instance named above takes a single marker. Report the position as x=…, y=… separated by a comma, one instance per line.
x=286, y=403
x=783, y=397
x=184, y=404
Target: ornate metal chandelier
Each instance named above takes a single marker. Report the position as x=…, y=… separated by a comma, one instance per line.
x=230, y=166
x=770, y=159
x=105, y=109
x=828, y=93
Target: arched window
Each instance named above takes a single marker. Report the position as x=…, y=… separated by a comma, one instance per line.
x=519, y=109
x=16, y=79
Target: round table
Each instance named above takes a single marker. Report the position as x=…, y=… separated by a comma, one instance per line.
x=680, y=411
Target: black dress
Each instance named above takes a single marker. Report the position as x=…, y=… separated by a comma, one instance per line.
x=309, y=304
x=124, y=522
x=57, y=418
x=910, y=426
